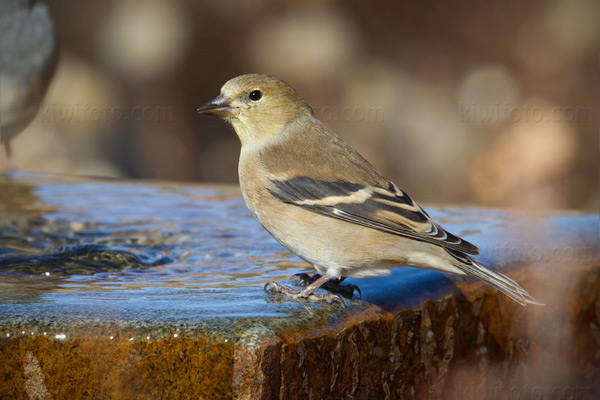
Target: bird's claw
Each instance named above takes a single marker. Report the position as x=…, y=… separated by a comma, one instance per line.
x=274, y=287
x=353, y=288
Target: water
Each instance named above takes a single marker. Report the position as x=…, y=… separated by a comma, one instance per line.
x=77, y=252
x=123, y=248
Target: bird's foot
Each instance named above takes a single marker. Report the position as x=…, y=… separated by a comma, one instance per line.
x=274, y=287
x=332, y=285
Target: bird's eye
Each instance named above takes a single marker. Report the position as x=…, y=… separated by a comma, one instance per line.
x=255, y=95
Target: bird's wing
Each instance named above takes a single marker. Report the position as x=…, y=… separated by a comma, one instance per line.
x=387, y=209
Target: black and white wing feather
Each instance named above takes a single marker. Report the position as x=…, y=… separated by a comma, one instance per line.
x=387, y=209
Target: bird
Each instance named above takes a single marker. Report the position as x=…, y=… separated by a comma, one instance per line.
x=327, y=204
x=28, y=58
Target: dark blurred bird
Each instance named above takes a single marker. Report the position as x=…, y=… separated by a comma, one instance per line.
x=322, y=200
x=28, y=55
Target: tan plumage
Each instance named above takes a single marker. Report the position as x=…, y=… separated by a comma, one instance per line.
x=322, y=200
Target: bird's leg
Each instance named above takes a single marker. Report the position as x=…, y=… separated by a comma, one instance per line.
x=307, y=292
x=332, y=285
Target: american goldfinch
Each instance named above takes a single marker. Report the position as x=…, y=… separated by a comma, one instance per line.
x=323, y=201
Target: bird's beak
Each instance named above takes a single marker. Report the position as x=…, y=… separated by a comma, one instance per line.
x=219, y=106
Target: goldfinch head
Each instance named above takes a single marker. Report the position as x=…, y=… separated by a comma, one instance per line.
x=258, y=106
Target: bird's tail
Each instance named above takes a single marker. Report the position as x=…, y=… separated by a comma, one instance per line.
x=501, y=282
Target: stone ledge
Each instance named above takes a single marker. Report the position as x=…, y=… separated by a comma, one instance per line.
x=451, y=348
x=197, y=324
x=448, y=349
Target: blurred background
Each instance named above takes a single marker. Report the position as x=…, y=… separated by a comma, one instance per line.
x=490, y=103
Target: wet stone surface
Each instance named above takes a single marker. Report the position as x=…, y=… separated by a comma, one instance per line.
x=113, y=289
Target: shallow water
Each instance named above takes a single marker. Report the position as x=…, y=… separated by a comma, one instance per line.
x=84, y=250
x=127, y=248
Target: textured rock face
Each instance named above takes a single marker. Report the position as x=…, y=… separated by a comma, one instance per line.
x=447, y=349
x=102, y=298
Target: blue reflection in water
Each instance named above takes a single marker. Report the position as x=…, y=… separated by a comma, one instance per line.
x=194, y=253
x=173, y=252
